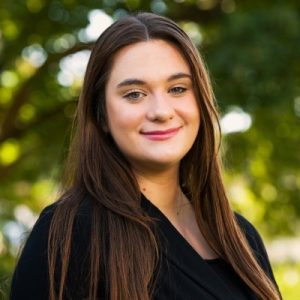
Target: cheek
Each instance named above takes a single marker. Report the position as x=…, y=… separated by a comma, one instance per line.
x=191, y=113
x=195, y=111
x=121, y=118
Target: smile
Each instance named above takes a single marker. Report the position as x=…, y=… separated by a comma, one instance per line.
x=160, y=135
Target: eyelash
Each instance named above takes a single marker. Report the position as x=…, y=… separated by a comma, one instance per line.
x=130, y=94
x=174, y=90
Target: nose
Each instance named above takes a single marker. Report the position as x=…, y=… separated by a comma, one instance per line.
x=160, y=108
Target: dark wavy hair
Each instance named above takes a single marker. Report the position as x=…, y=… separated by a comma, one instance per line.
x=123, y=244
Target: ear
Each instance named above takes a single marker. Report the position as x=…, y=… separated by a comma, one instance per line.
x=102, y=124
x=105, y=127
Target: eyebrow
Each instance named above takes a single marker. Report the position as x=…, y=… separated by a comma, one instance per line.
x=179, y=76
x=134, y=81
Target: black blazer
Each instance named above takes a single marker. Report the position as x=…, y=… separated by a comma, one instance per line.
x=186, y=276
x=183, y=274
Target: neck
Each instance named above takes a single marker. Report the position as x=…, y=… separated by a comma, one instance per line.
x=163, y=190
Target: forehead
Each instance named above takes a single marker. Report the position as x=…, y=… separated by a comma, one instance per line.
x=151, y=59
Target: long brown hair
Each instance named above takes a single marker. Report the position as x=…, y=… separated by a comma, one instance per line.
x=123, y=246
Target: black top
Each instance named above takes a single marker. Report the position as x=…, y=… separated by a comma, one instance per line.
x=183, y=274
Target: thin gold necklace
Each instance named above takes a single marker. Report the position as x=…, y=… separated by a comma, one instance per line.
x=180, y=200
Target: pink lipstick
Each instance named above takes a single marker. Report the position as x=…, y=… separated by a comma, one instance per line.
x=161, y=135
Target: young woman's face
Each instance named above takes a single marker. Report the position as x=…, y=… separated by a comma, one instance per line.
x=152, y=111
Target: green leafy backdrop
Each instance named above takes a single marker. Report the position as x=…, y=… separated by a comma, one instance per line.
x=252, y=51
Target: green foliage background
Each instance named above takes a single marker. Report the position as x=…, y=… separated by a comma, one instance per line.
x=252, y=51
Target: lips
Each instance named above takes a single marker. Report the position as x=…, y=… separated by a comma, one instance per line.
x=159, y=135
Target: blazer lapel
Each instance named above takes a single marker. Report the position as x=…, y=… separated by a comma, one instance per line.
x=179, y=252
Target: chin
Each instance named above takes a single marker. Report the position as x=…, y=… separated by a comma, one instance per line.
x=165, y=162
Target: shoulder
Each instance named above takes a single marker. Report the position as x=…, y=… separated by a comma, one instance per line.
x=44, y=219
x=81, y=225
x=38, y=236
x=256, y=244
x=30, y=278
x=37, y=239
x=30, y=275
x=43, y=222
x=251, y=233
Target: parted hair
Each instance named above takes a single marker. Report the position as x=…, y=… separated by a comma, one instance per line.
x=123, y=247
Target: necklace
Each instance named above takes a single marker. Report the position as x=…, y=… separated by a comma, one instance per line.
x=180, y=201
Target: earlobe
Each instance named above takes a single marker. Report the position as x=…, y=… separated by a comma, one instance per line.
x=105, y=129
x=102, y=123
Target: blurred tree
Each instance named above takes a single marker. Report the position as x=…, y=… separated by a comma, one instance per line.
x=252, y=51
x=254, y=58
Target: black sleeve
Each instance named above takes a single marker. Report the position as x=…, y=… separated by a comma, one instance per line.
x=256, y=243
x=30, y=278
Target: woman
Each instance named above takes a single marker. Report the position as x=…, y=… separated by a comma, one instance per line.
x=144, y=214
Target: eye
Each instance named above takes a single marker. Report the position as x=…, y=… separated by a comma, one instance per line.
x=177, y=90
x=134, y=95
